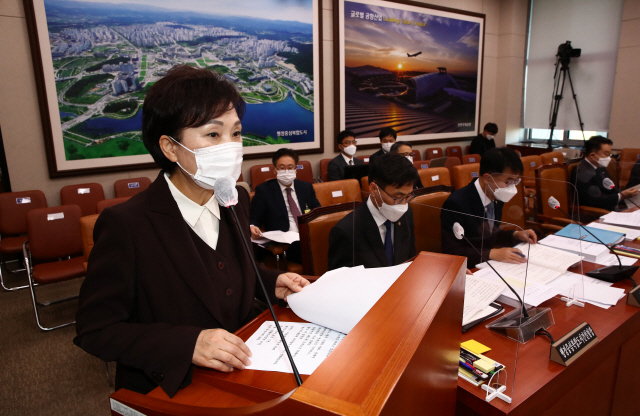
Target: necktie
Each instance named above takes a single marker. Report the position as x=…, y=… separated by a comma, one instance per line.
x=388, y=244
x=351, y=162
x=490, y=214
x=292, y=206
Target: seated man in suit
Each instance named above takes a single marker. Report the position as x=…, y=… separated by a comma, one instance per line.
x=347, y=144
x=590, y=173
x=485, y=140
x=634, y=178
x=387, y=137
x=278, y=202
x=484, y=197
x=378, y=233
x=405, y=149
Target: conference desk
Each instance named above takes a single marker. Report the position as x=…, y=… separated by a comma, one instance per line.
x=604, y=381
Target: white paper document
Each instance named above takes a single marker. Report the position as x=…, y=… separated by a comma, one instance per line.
x=548, y=257
x=287, y=237
x=525, y=272
x=611, y=260
x=341, y=297
x=533, y=294
x=309, y=344
x=590, y=251
x=588, y=289
x=628, y=219
x=478, y=295
x=629, y=233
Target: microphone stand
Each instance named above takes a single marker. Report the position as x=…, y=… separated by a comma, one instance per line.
x=264, y=290
x=607, y=273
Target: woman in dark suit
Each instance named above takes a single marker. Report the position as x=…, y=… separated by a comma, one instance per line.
x=168, y=279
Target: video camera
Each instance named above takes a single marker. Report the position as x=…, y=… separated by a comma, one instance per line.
x=566, y=51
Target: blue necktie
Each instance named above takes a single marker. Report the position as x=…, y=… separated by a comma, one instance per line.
x=490, y=215
x=388, y=243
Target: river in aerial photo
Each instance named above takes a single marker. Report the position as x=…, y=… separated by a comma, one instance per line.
x=260, y=119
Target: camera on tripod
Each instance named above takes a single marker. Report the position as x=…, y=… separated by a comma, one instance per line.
x=566, y=52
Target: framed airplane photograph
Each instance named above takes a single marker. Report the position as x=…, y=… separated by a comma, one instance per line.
x=410, y=66
x=95, y=62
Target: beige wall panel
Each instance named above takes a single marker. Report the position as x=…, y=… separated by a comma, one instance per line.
x=631, y=10
x=625, y=123
x=12, y=8
x=630, y=33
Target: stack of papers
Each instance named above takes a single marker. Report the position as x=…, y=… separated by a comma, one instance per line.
x=627, y=219
x=592, y=252
x=587, y=289
x=585, y=234
x=629, y=233
x=478, y=295
x=532, y=294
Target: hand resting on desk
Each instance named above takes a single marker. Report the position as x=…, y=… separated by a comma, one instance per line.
x=526, y=235
x=223, y=351
x=507, y=255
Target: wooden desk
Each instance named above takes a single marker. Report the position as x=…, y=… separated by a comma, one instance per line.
x=603, y=381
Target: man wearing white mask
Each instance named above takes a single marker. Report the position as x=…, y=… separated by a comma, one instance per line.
x=346, y=141
x=379, y=233
x=405, y=149
x=478, y=208
x=278, y=202
x=485, y=140
x=388, y=137
x=589, y=175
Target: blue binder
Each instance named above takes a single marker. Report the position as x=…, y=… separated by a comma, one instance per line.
x=576, y=232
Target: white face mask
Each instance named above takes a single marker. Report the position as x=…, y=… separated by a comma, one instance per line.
x=604, y=161
x=490, y=136
x=387, y=147
x=504, y=194
x=350, y=150
x=286, y=177
x=410, y=158
x=392, y=212
x=215, y=162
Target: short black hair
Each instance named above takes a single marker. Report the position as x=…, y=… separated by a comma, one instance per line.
x=594, y=144
x=491, y=128
x=343, y=135
x=284, y=152
x=499, y=159
x=387, y=131
x=392, y=169
x=396, y=146
x=186, y=97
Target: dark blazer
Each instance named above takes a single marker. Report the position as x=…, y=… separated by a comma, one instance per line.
x=268, y=207
x=467, y=201
x=335, y=170
x=591, y=191
x=148, y=293
x=355, y=240
x=634, y=178
x=480, y=144
x=375, y=155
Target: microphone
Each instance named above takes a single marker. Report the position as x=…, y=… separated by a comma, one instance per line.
x=608, y=183
x=227, y=196
x=458, y=231
x=608, y=273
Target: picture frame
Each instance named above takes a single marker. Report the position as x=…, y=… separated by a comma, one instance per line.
x=410, y=66
x=94, y=62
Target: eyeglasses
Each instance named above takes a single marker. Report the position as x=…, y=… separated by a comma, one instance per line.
x=348, y=143
x=514, y=182
x=397, y=201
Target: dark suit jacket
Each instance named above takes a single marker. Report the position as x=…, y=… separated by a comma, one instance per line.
x=148, y=293
x=355, y=240
x=335, y=170
x=634, y=178
x=268, y=207
x=480, y=144
x=467, y=201
x=375, y=155
x=591, y=191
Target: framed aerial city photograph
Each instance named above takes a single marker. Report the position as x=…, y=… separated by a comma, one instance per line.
x=409, y=66
x=95, y=61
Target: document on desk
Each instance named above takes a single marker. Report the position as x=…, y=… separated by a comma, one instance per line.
x=628, y=219
x=591, y=252
x=587, y=289
x=629, y=233
x=549, y=257
x=478, y=295
x=533, y=294
x=341, y=297
x=611, y=260
x=287, y=237
x=309, y=344
x=524, y=272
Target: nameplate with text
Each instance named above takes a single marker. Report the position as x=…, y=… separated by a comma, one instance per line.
x=571, y=346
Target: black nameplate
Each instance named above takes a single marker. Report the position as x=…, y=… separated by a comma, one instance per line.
x=633, y=297
x=571, y=346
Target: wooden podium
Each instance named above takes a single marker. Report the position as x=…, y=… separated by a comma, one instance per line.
x=401, y=359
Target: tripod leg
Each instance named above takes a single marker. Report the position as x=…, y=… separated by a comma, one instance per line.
x=575, y=100
x=556, y=104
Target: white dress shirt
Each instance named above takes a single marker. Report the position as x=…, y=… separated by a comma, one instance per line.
x=347, y=159
x=292, y=222
x=483, y=197
x=380, y=220
x=203, y=219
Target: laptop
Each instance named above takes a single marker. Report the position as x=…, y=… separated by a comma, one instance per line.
x=356, y=172
x=438, y=162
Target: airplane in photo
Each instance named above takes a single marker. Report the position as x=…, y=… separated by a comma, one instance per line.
x=413, y=55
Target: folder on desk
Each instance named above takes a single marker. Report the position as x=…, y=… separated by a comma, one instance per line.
x=576, y=232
